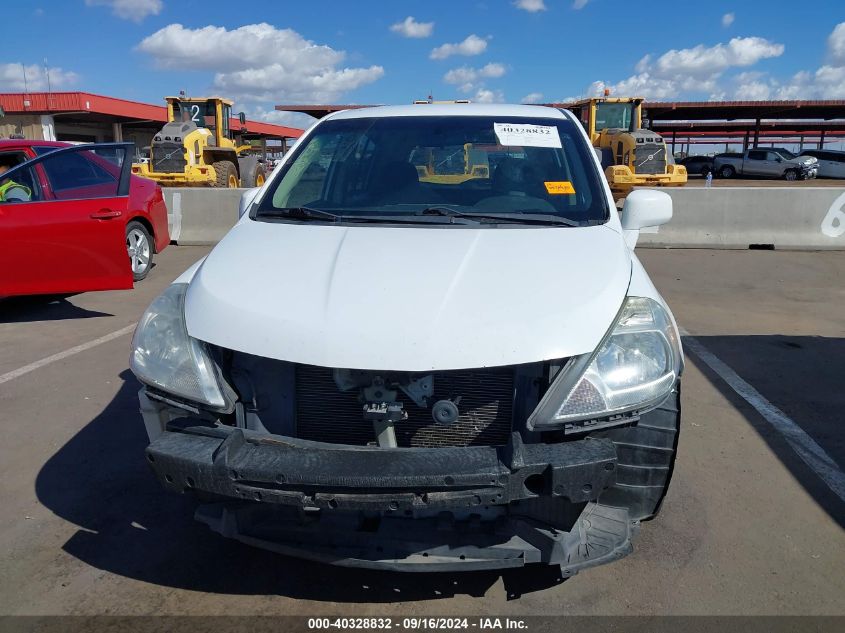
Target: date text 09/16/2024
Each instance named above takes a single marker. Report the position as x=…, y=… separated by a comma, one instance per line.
x=421, y=623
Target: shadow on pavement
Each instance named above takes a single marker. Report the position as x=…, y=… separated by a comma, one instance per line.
x=43, y=308
x=803, y=376
x=128, y=525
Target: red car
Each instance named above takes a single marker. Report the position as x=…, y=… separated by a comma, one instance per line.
x=84, y=211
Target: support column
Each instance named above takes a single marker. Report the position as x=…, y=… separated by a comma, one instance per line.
x=117, y=132
x=821, y=140
x=756, y=133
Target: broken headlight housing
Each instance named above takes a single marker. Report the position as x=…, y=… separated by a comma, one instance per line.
x=633, y=370
x=165, y=357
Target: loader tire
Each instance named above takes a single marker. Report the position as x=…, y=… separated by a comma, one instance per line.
x=255, y=177
x=227, y=174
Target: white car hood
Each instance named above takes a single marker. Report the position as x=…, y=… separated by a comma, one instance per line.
x=409, y=298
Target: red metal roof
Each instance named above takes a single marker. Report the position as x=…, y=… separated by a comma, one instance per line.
x=68, y=102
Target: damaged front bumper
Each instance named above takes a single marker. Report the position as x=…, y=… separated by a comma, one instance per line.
x=406, y=509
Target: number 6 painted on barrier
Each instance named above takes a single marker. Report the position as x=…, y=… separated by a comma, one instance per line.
x=833, y=224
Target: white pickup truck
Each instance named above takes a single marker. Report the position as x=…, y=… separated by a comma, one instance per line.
x=768, y=163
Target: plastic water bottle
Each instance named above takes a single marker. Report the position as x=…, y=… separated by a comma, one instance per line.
x=709, y=180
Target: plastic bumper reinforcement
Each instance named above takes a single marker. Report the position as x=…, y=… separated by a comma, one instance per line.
x=246, y=465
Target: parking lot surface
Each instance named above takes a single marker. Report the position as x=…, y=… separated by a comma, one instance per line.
x=748, y=527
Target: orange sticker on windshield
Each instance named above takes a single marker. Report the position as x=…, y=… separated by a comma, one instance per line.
x=559, y=187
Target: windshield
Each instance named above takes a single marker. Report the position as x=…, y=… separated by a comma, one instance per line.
x=406, y=166
x=786, y=154
x=202, y=113
x=614, y=115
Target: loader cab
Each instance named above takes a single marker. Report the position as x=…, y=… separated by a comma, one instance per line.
x=213, y=114
x=597, y=115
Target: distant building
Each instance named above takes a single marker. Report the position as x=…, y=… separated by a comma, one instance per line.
x=91, y=118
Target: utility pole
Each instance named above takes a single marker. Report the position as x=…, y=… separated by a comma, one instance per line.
x=49, y=87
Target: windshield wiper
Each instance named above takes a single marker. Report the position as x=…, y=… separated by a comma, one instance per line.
x=517, y=217
x=300, y=213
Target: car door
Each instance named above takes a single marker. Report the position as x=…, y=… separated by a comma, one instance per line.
x=70, y=236
x=756, y=163
x=831, y=164
x=777, y=164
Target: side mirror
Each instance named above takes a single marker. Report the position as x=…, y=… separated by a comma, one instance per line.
x=242, y=118
x=644, y=208
x=779, y=159
x=247, y=198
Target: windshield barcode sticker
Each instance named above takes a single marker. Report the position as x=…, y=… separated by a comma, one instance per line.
x=527, y=135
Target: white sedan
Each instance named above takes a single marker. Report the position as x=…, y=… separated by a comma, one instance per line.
x=426, y=345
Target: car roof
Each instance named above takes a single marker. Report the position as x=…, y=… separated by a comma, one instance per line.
x=829, y=151
x=452, y=109
x=26, y=142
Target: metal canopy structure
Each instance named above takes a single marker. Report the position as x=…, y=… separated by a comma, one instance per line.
x=748, y=123
x=318, y=111
x=85, y=108
x=685, y=123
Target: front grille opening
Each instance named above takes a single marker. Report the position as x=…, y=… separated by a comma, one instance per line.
x=651, y=159
x=168, y=157
x=326, y=414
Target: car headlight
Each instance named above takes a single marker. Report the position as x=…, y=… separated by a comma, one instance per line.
x=166, y=357
x=633, y=369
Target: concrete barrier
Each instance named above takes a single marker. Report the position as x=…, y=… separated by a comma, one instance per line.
x=802, y=218
x=200, y=215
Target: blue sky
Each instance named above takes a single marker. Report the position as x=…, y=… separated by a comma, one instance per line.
x=366, y=51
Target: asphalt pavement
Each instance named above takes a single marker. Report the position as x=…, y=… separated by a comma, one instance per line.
x=748, y=527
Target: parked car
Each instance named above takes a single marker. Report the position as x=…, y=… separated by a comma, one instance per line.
x=395, y=362
x=698, y=165
x=768, y=163
x=831, y=162
x=85, y=214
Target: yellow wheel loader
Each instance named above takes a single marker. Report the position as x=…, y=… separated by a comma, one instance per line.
x=197, y=148
x=451, y=167
x=630, y=155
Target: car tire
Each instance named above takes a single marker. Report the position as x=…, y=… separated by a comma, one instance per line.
x=727, y=172
x=790, y=174
x=227, y=174
x=139, y=247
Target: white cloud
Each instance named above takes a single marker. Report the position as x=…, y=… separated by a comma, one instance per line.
x=579, y=4
x=710, y=60
x=753, y=91
x=472, y=45
x=12, y=78
x=836, y=44
x=826, y=82
x=690, y=70
x=279, y=117
x=532, y=6
x=728, y=19
x=409, y=27
x=135, y=10
x=261, y=63
x=532, y=97
x=465, y=75
x=484, y=95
